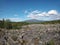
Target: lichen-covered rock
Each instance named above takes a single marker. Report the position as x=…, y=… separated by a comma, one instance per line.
x=34, y=34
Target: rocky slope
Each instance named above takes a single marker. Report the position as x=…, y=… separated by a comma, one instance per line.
x=33, y=34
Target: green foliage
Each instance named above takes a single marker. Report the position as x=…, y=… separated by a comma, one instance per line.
x=47, y=22
x=2, y=23
x=7, y=24
x=51, y=22
x=14, y=37
x=51, y=42
x=17, y=25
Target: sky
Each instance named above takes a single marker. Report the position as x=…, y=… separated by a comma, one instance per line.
x=20, y=10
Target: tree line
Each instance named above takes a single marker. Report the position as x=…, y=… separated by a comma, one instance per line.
x=8, y=24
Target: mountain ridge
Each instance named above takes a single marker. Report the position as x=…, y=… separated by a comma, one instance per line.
x=34, y=20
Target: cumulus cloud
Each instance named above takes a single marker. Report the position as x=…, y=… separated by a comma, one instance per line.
x=37, y=14
x=52, y=12
x=33, y=14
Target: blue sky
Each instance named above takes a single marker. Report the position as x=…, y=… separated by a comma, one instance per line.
x=20, y=10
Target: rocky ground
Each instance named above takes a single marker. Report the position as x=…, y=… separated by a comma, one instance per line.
x=33, y=34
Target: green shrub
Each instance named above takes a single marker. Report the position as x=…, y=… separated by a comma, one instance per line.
x=51, y=42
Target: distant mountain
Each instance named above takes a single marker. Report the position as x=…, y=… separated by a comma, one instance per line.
x=33, y=20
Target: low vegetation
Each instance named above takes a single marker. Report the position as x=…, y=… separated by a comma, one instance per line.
x=7, y=24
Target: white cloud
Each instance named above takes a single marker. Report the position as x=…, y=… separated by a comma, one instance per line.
x=33, y=14
x=36, y=11
x=43, y=14
x=57, y=17
x=52, y=12
x=37, y=14
x=12, y=19
x=15, y=19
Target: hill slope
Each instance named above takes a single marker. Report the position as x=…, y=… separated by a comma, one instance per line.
x=33, y=21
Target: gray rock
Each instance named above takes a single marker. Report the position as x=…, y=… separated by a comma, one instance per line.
x=34, y=34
